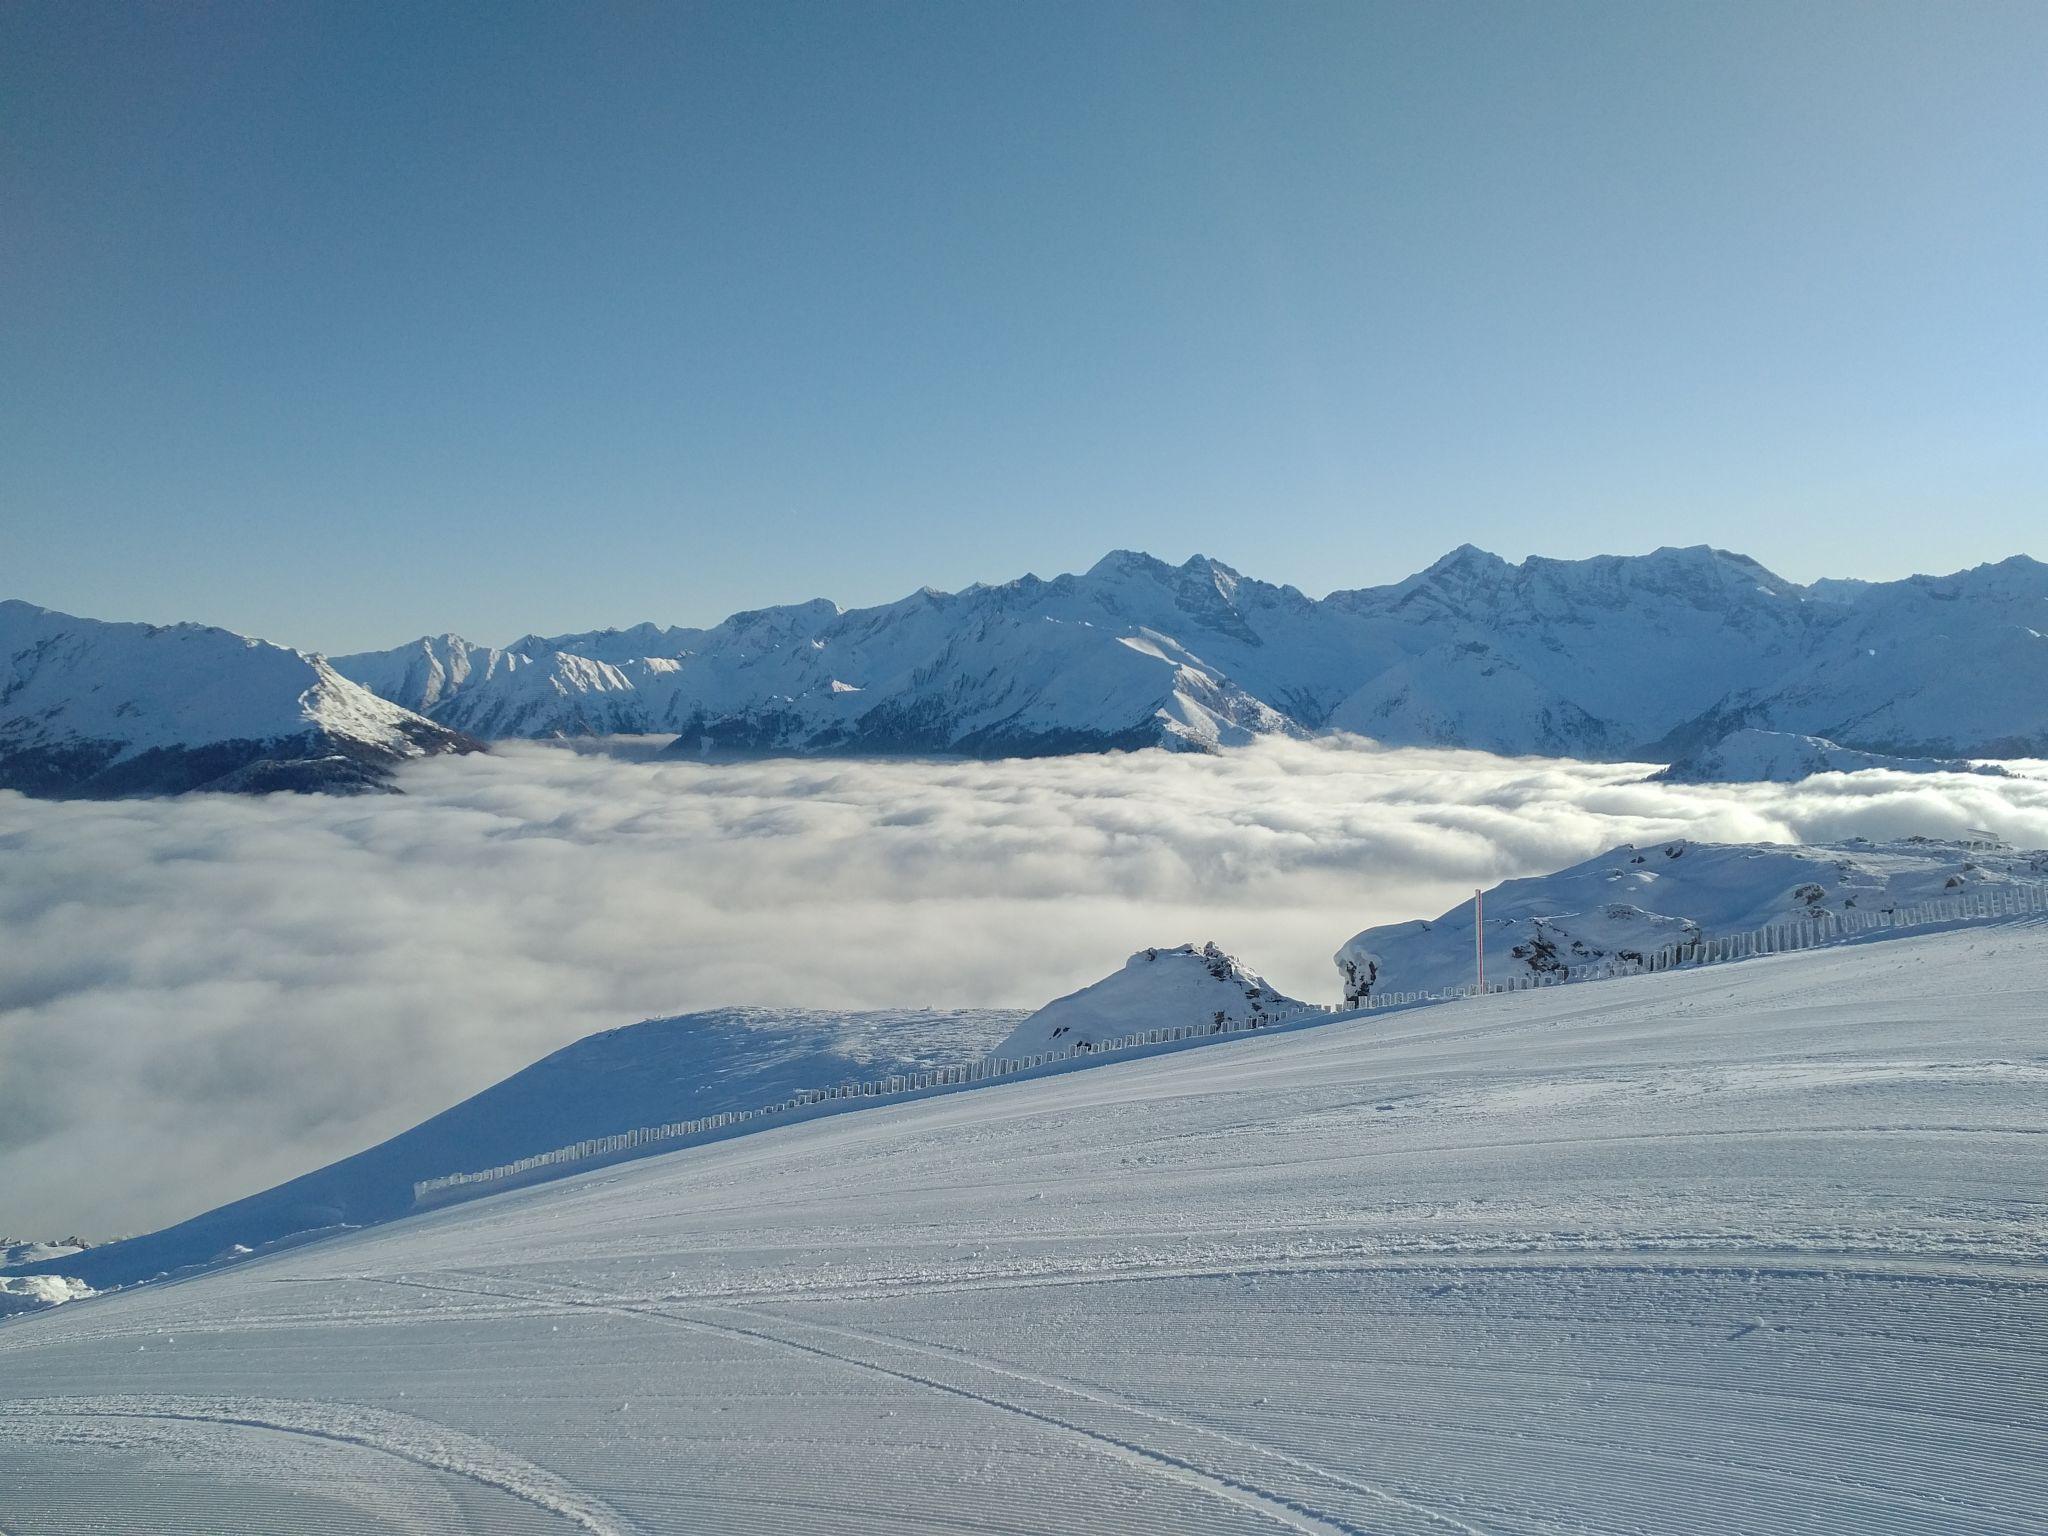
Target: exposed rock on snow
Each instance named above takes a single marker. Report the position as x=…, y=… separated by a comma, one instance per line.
x=88, y=708
x=1644, y=657
x=1630, y=902
x=1183, y=985
x=1779, y=757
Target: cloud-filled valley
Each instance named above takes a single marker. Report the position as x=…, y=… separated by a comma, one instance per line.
x=202, y=996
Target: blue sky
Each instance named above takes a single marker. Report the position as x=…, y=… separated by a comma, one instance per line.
x=337, y=323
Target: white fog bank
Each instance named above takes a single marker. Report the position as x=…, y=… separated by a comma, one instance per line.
x=202, y=996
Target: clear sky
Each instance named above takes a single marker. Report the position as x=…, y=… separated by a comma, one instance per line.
x=339, y=323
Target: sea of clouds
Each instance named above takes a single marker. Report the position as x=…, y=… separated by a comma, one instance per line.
x=202, y=996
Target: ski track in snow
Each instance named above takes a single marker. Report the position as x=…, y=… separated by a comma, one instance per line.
x=738, y=1323
x=1762, y=1247
x=429, y=1446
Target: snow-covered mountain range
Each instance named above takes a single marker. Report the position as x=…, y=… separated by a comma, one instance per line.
x=1629, y=902
x=1614, y=657
x=1645, y=657
x=90, y=708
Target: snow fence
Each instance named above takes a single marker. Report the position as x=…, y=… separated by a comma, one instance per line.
x=1808, y=931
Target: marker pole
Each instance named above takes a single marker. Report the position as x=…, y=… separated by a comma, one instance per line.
x=1479, y=936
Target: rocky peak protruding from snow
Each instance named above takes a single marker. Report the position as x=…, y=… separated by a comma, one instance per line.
x=1186, y=984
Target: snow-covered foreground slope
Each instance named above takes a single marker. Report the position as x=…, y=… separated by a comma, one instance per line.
x=90, y=708
x=1629, y=903
x=617, y=1080
x=1756, y=1248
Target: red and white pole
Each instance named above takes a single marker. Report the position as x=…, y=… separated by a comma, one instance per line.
x=1479, y=936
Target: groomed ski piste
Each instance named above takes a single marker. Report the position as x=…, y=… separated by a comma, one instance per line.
x=1755, y=1246
x=1817, y=930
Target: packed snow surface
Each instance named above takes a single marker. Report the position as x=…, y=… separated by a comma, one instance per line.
x=1629, y=902
x=1780, y=757
x=1752, y=1248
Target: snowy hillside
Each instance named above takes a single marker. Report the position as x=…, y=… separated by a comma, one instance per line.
x=1183, y=985
x=663, y=1069
x=90, y=708
x=1754, y=1248
x=1933, y=666
x=1618, y=656
x=1581, y=658
x=1030, y=668
x=1778, y=757
x=1629, y=902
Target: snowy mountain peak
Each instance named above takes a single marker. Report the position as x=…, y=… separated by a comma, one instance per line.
x=613, y=645
x=1467, y=562
x=94, y=708
x=1127, y=562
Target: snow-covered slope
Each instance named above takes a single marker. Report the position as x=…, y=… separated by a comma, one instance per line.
x=1778, y=757
x=642, y=1074
x=1936, y=666
x=1032, y=667
x=92, y=708
x=1183, y=985
x=1584, y=658
x=617, y=646
x=430, y=671
x=1629, y=902
x=15, y=1252
x=1755, y=1248
x=1618, y=656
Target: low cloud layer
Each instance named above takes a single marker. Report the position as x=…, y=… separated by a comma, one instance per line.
x=200, y=997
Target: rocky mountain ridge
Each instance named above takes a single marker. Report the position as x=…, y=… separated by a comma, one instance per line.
x=1616, y=657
